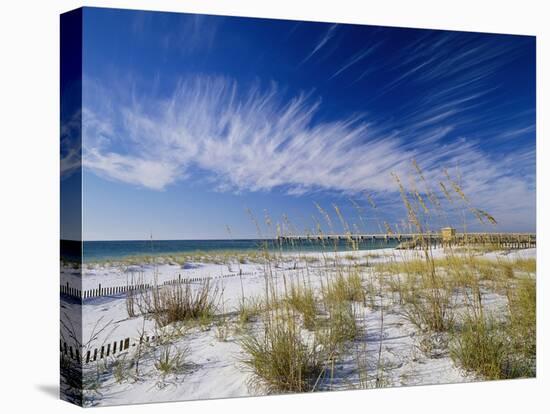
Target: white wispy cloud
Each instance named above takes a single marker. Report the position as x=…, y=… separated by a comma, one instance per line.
x=71, y=145
x=355, y=59
x=247, y=142
x=321, y=43
x=518, y=132
x=252, y=141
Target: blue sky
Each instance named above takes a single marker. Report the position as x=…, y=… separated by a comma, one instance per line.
x=190, y=120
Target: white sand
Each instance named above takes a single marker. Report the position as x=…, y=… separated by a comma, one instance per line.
x=215, y=370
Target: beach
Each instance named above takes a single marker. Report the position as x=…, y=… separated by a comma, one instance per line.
x=388, y=350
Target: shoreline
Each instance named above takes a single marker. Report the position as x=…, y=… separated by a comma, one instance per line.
x=216, y=370
x=226, y=256
x=274, y=250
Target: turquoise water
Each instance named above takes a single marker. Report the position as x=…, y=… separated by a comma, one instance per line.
x=112, y=250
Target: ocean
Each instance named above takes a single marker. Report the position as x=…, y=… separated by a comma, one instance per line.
x=94, y=251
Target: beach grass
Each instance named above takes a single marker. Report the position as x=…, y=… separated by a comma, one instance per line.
x=500, y=346
x=179, y=302
x=280, y=357
x=470, y=304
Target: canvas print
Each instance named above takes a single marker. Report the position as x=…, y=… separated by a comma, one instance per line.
x=258, y=206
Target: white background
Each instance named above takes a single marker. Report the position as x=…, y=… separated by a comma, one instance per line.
x=29, y=193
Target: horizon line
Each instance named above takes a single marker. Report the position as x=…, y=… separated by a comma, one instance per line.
x=274, y=238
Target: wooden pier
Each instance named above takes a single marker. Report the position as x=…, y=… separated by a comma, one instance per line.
x=446, y=238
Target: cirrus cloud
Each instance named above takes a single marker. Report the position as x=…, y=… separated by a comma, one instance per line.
x=252, y=140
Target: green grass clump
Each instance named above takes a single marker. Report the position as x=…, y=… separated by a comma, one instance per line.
x=501, y=349
x=483, y=346
x=181, y=302
x=302, y=299
x=522, y=305
x=428, y=300
x=280, y=358
x=170, y=360
x=343, y=288
x=249, y=309
x=338, y=298
x=479, y=346
x=340, y=327
x=525, y=265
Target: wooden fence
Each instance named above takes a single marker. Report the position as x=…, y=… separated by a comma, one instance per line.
x=69, y=290
x=111, y=348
